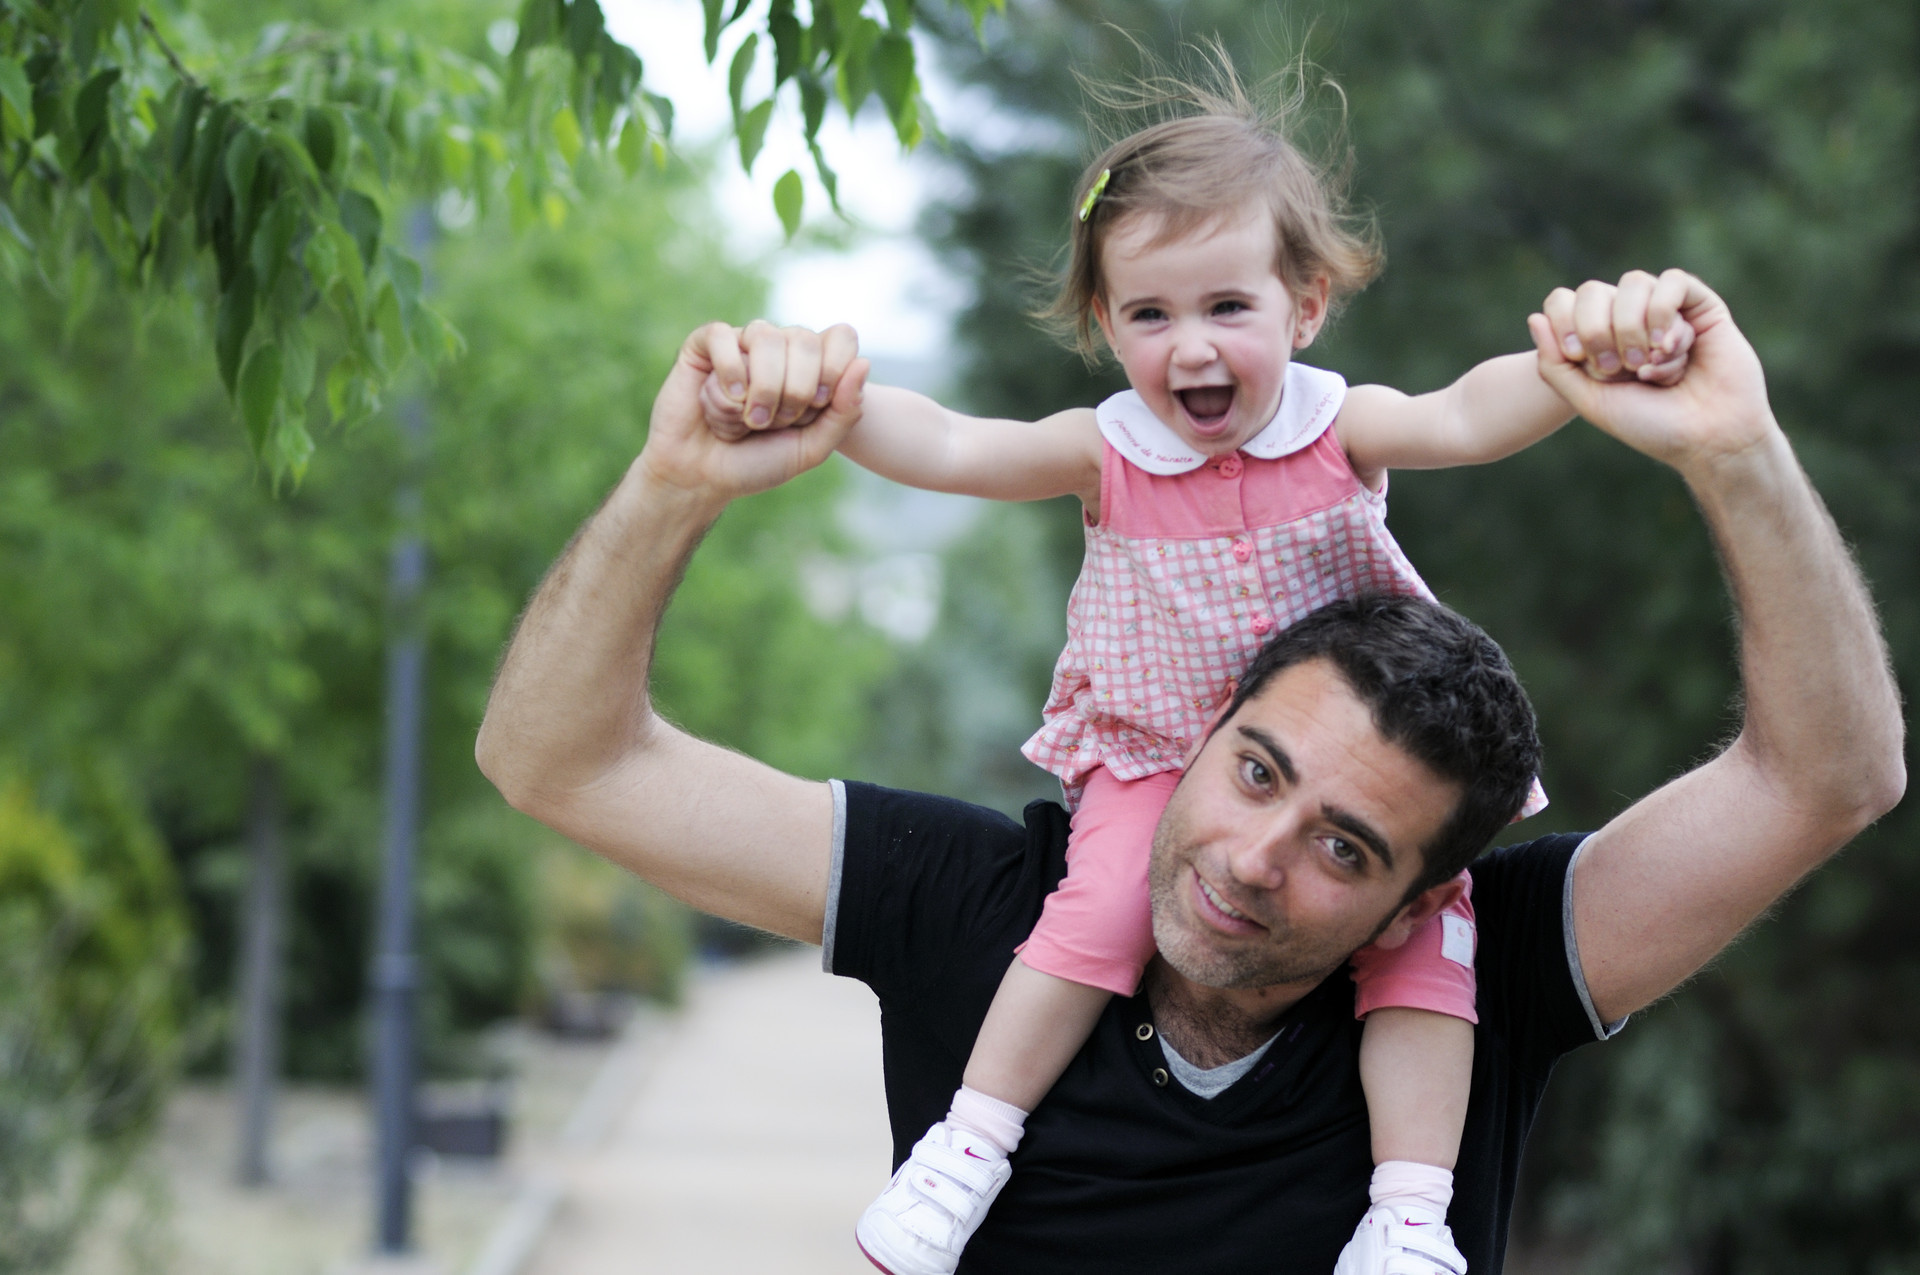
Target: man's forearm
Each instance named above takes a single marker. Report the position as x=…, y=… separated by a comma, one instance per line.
x=1822, y=714
x=571, y=697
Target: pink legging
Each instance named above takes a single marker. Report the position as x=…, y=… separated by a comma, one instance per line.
x=1097, y=927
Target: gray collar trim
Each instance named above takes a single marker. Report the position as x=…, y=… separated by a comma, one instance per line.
x=1601, y=1031
x=833, y=873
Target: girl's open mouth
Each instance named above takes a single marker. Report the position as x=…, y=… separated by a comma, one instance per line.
x=1208, y=405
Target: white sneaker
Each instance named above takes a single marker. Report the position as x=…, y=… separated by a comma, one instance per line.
x=936, y=1201
x=1394, y=1240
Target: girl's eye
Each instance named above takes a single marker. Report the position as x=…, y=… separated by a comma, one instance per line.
x=1148, y=314
x=1229, y=307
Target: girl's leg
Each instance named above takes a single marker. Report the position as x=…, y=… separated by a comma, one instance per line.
x=1416, y=1065
x=1093, y=939
x=1034, y=1027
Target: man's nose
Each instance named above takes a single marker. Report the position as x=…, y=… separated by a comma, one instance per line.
x=1261, y=854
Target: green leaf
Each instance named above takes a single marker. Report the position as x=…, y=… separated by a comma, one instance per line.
x=566, y=134
x=893, y=73
x=230, y=326
x=360, y=217
x=632, y=148
x=789, y=197
x=785, y=30
x=738, y=72
x=189, y=102
x=853, y=77
x=9, y=224
x=323, y=134
x=753, y=133
x=900, y=15
x=243, y=165
x=90, y=106
x=297, y=363
x=405, y=276
x=585, y=25
x=828, y=178
x=259, y=393
x=712, y=9
x=273, y=241
x=662, y=111
x=17, y=93
x=333, y=259
x=813, y=104
x=90, y=121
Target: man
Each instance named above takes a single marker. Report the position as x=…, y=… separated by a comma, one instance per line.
x=1215, y=1121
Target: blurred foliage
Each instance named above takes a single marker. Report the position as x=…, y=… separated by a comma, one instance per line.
x=1768, y=1117
x=264, y=173
x=92, y=947
x=170, y=621
x=611, y=931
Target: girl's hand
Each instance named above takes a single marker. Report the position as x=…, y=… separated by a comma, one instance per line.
x=1715, y=409
x=766, y=377
x=1633, y=331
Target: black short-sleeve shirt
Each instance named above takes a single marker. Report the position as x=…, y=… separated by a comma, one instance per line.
x=1122, y=1168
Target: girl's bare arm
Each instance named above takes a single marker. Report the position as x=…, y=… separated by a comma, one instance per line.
x=913, y=440
x=1496, y=409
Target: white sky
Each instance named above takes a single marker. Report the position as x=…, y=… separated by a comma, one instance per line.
x=887, y=284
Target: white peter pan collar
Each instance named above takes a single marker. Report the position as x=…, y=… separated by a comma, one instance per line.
x=1310, y=398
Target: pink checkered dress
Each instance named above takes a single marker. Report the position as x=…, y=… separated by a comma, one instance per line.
x=1194, y=563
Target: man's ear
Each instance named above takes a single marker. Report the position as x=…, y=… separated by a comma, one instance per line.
x=1423, y=907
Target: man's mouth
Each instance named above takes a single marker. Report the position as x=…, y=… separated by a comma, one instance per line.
x=1208, y=405
x=1226, y=916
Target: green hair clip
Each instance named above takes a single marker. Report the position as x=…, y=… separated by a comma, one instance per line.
x=1093, y=196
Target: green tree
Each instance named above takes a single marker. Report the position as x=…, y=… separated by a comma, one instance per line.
x=1766, y=1118
x=171, y=621
x=264, y=172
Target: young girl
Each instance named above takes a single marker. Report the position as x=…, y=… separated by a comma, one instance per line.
x=1228, y=493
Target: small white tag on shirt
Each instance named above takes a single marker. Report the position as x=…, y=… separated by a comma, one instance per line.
x=1456, y=939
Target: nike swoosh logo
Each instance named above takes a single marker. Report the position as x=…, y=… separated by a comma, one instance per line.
x=975, y=1154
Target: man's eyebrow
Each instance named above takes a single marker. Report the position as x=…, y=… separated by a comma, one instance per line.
x=1275, y=754
x=1360, y=830
x=1348, y=822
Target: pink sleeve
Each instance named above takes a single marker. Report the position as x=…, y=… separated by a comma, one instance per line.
x=1432, y=970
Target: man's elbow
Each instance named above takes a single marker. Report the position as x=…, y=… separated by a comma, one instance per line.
x=510, y=770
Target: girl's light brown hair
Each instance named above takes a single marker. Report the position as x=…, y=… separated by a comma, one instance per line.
x=1217, y=149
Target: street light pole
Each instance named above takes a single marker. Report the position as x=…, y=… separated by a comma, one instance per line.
x=395, y=974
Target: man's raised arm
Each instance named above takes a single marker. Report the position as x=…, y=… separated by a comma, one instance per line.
x=1665, y=886
x=570, y=736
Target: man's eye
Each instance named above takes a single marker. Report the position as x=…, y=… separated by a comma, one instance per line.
x=1344, y=851
x=1255, y=772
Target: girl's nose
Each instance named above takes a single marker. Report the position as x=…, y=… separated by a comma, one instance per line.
x=1192, y=347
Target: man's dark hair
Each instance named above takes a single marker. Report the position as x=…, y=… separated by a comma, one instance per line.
x=1439, y=688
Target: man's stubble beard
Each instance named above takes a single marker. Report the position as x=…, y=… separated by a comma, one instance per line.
x=1288, y=956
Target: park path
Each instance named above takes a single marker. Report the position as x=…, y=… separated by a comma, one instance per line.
x=751, y=1142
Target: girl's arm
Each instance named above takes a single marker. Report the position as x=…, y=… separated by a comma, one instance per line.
x=913, y=440
x=763, y=378
x=1496, y=409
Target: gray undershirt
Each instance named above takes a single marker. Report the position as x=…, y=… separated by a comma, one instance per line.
x=1211, y=1082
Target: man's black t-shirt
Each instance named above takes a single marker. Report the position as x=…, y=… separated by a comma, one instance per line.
x=1122, y=1168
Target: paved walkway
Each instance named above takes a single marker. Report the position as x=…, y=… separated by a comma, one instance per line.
x=752, y=1142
